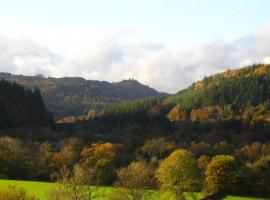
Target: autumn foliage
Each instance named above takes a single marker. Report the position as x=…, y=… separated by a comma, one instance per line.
x=99, y=151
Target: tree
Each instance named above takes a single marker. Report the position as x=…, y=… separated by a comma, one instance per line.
x=176, y=114
x=254, y=151
x=201, y=148
x=223, y=148
x=220, y=175
x=203, y=161
x=43, y=161
x=157, y=148
x=105, y=172
x=68, y=155
x=75, y=184
x=135, y=181
x=179, y=173
x=15, y=159
x=100, y=157
x=260, y=173
x=98, y=151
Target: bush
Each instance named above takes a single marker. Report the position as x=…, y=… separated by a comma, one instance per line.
x=12, y=192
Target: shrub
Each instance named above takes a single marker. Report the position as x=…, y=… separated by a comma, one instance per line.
x=12, y=192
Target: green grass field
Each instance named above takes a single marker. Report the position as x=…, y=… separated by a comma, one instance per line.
x=41, y=190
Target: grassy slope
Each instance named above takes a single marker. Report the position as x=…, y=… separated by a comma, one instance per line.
x=41, y=189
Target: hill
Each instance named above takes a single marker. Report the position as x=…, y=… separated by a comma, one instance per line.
x=76, y=96
x=21, y=107
x=234, y=94
x=233, y=90
x=244, y=86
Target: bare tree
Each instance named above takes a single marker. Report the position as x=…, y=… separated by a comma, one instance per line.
x=135, y=182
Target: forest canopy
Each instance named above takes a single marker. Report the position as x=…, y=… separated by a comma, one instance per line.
x=21, y=107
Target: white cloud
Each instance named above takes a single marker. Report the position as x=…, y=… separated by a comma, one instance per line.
x=266, y=60
x=113, y=55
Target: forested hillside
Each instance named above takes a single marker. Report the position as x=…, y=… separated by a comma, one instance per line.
x=21, y=107
x=229, y=93
x=249, y=85
x=241, y=94
x=76, y=96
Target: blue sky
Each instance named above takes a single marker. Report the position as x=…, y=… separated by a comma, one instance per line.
x=160, y=20
x=133, y=38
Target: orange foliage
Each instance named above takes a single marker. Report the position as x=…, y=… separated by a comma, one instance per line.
x=176, y=114
x=57, y=160
x=57, y=157
x=155, y=110
x=100, y=151
x=199, y=85
x=261, y=70
x=66, y=120
x=199, y=114
x=207, y=113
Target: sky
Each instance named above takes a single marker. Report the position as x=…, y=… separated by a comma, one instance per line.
x=166, y=44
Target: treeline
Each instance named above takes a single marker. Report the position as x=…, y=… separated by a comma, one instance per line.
x=134, y=111
x=135, y=156
x=21, y=107
x=217, y=170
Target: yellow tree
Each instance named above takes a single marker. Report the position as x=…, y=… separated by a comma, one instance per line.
x=220, y=175
x=177, y=114
x=179, y=173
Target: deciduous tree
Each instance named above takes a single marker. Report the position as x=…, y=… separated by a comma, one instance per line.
x=135, y=181
x=179, y=173
x=220, y=175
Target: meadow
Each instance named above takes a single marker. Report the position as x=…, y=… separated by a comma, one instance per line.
x=41, y=190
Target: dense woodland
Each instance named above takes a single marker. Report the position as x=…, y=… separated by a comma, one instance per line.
x=21, y=107
x=216, y=131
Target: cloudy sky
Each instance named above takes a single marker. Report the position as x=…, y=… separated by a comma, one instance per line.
x=167, y=44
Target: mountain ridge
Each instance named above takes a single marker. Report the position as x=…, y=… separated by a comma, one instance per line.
x=76, y=96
